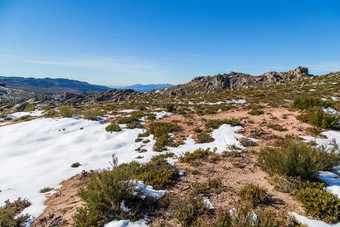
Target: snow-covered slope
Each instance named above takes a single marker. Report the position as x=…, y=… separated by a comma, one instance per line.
x=39, y=153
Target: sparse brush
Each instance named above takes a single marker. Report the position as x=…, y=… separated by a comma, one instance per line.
x=113, y=127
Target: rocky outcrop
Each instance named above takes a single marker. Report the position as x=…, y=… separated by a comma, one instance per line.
x=233, y=81
x=10, y=97
x=114, y=95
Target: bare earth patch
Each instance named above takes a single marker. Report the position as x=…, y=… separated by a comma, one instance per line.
x=62, y=205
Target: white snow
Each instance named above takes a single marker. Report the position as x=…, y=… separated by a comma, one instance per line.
x=330, y=110
x=35, y=113
x=38, y=154
x=312, y=223
x=124, y=208
x=333, y=180
x=127, y=223
x=208, y=204
x=234, y=101
x=126, y=111
x=143, y=190
x=335, y=98
x=162, y=114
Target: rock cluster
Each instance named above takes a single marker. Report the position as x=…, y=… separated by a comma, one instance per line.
x=233, y=81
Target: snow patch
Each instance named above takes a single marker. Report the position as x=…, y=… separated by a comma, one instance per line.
x=310, y=222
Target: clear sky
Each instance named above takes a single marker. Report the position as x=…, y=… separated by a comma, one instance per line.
x=122, y=42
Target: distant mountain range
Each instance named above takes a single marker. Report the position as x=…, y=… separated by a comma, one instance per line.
x=144, y=87
x=52, y=86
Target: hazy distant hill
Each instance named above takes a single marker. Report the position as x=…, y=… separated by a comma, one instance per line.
x=52, y=86
x=144, y=87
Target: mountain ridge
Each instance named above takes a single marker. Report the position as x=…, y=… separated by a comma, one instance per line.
x=51, y=86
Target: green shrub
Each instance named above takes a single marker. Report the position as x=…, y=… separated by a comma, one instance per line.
x=66, y=111
x=170, y=107
x=161, y=132
x=297, y=159
x=247, y=142
x=245, y=216
x=255, y=109
x=186, y=210
x=162, y=141
x=277, y=127
x=9, y=212
x=44, y=190
x=127, y=120
x=204, y=137
x=253, y=193
x=51, y=114
x=92, y=115
x=158, y=173
x=106, y=192
x=24, y=118
x=29, y=108
x=319, y=203
x=160, y=128
x=314, y=130
x=195, y=156
x=256, y=112
x=216, y=123
x=305, y=102
x=4, y=113
x=211, y=185
x=317, y=117
x=113, y=128
x=197, y=130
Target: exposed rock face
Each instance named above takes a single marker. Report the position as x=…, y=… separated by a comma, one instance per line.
x=9, y=97
x=113, y=95
x=233, y=81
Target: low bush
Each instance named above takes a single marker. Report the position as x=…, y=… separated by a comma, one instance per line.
x=306, y=102
x=51, y=114
x=109, y=188
x=247, y=142
x=204, y=137
x=255, y=110
x=297, y=159
x=29, y=108
x=92, y=115
x=313, y=130
x=170, y=107
x=197, y=130
x=66, y=111
x=277, y=127
x=113, y=127
x=253, y=194
x=319, y=203
x=24, y=118
x=186, y=210
x=161, y=132
x=216, y=123
x=317, y=117
x=160, y=128
x=44, y=190
x=9, y=213
x=245, y=216
x=195, y=156
x=211, y=185
x=158, y=173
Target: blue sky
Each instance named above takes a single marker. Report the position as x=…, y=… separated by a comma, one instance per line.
x=122, y=42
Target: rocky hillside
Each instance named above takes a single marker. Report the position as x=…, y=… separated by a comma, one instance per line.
x=234, y=81
x=9, y=97
x=51, y=86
